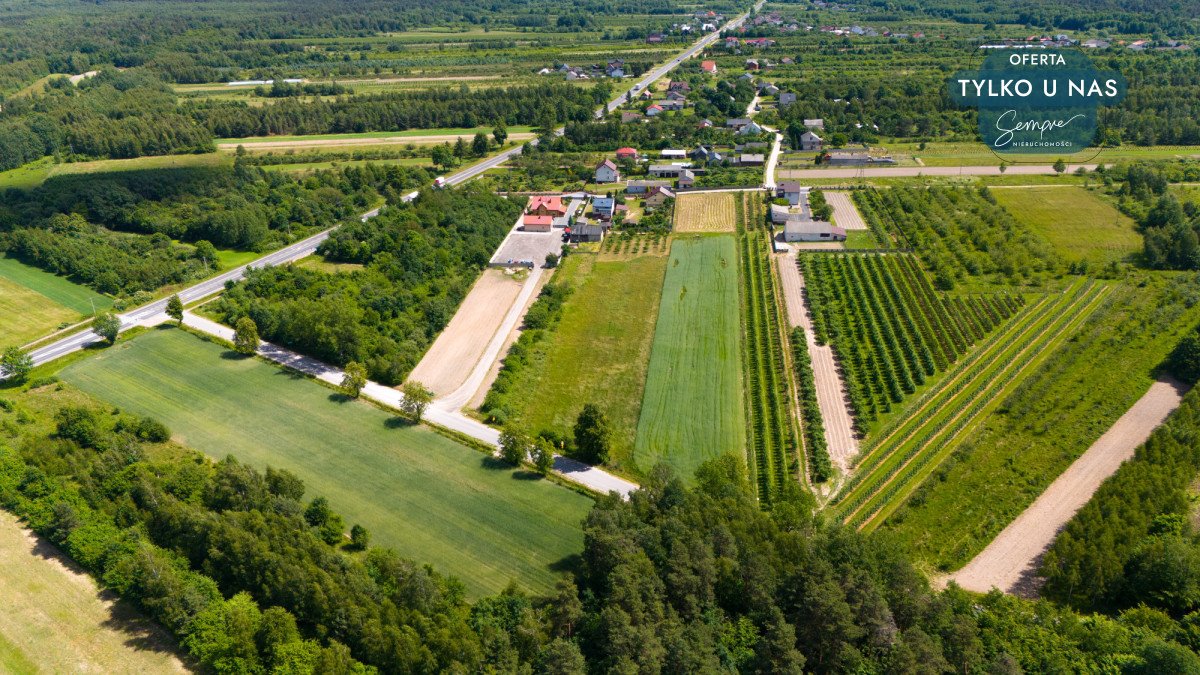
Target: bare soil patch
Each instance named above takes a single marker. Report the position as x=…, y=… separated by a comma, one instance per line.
x=845, y=213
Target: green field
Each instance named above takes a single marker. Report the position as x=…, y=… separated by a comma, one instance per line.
x=1038, y=429
x=34, y=303
x=1078, y=223
x=599, y=352
x=692, y=410
x=517, y=129
x=432, y=499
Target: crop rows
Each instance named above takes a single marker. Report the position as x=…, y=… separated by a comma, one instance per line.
x=815, y=447
x=893, y=469
x=890, y=330
x=770, y=431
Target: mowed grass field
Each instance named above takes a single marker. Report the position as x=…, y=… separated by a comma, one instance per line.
x=432, y=499
x=34, y=303
x=705, y=212
x=600, y=351
x=1078, y=223
x=54, y=618
x=692, y=410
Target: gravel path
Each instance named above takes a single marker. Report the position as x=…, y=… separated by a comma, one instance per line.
x=845, y=213
x=462, y=343
x=831, y=397
x=1010, y=562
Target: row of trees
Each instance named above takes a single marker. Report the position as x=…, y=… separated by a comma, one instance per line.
x=418, y=262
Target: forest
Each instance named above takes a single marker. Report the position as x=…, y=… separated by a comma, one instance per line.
x=116, y=232
x=251, y=573
x=418, y=262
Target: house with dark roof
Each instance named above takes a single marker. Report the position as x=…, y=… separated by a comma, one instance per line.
x=789, y=190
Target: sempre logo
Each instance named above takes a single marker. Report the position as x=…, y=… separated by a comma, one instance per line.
x=1037, y=101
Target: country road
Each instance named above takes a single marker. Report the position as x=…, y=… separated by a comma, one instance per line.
x=914, y=171
x=1011, y=560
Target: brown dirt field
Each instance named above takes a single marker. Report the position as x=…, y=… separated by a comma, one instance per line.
x=55, y=618
x=494, y=370
x=1011, y=560
x=845, y=213
x=831, y=396
x=705, y=212
x=461, y=344
x=343, y=142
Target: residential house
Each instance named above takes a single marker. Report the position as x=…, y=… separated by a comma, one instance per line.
x=731, y=42
x=615, y=68
x=752, y=64
x=736, y=123
x=603, y=207
x=543, y=205
x=679, y=86
x=1095, y=43
x=654, y=110
x=672, y=153
x=607, y=172
x=627, y=153
x=533, y=223
x=686, y=179
x=789, y=190
x=812, y=230
x=705, y=124
x=654, y=38
x=786, y=98
x=656, y=197
x=709, y=67
x=705, y=154
x=817, y=123
x=751, y=160
x=676, y=95
x=750, y=129
x=810, y=142
x=641, y=187
x=769, y=90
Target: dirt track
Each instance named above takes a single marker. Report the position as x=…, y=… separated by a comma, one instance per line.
x=1011, y=560
x=845, y=213
x=831, y=397
x=459, y=347
x=338, y=142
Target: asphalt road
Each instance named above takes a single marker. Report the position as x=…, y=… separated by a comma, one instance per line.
x=307, y=246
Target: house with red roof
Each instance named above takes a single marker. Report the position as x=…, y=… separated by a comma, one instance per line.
x=532, y=223
x=542, y=205
x=626, y=153
x=708, y=66
x=653, y=110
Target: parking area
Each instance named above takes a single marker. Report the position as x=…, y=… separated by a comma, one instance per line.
x=531, y=248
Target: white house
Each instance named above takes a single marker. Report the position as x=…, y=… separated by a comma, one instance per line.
x=607, y=172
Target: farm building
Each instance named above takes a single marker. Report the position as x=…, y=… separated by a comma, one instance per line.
x=672, y=153
x=630, y=116
x=585, y=232
x=666, y=170
x=542, y=205
x=606, y=172
x=751, y=160
x=810, y=142
x=812, y=230
x=532, y=223
x=670, y=104
x=641, y=187
x=627, y=153
x=817, y=123
x=657, y=197
x=686, y=179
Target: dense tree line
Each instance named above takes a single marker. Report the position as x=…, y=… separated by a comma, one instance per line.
x=419, y=261
x=1170, y=226
x=544, y=105
x=250, y=573
x=1135, y=542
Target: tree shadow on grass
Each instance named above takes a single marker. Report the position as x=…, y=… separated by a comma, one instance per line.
x=523, y=474
x=339, y=397
x=230, y=355
x=567, y=564
x=398, y=422
x=493, y=463
x=141, y=633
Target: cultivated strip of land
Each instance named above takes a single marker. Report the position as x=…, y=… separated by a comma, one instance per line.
x=1011, y=560
x=845, y=213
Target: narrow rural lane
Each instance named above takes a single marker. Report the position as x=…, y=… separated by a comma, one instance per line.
x=914, y=171
x=590, y=477
x=1011, y=560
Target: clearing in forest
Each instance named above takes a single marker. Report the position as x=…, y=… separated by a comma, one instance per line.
x=692, y=410
x=706, y=212
x=432, y=499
